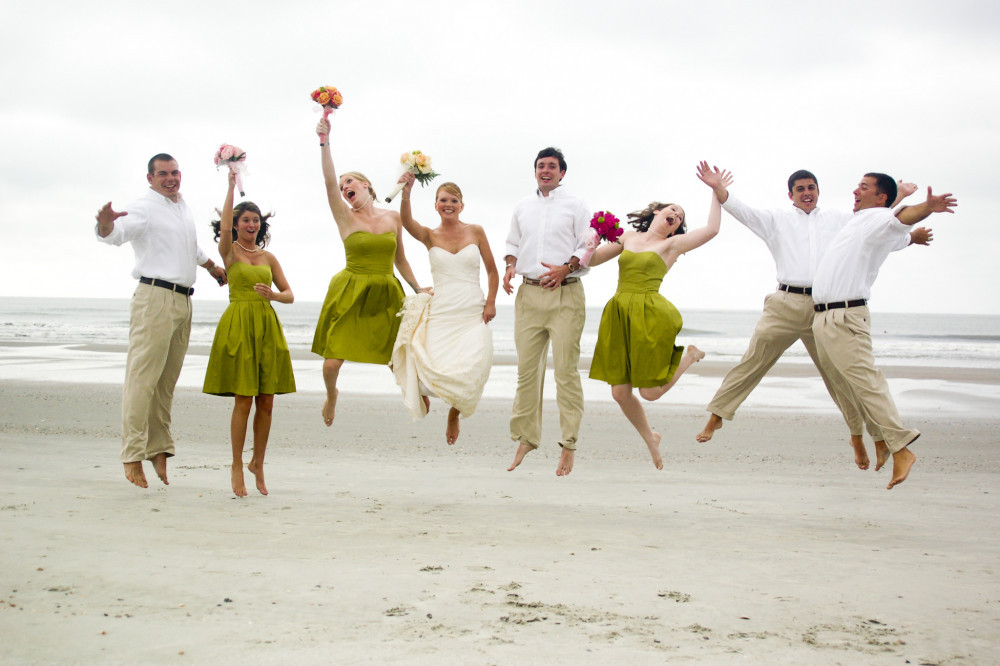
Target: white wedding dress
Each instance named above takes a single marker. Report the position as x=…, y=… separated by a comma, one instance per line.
x=444, y=348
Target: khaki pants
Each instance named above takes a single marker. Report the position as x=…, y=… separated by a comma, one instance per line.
x=786, y=318
x=159, y=329
x=541, y=316
x=844, y=341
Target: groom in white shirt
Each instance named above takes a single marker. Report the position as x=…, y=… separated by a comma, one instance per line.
x=161, y=228
x=544, y=246
x=841, y=288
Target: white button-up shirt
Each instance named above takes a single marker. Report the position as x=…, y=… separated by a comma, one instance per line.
x=797, y=240
x=851, y=262
x=163, y=237
x=549, y=229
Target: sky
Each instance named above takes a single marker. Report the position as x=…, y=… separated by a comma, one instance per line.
x=634, y=92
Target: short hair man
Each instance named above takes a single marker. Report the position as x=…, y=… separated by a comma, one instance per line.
x=544, y=245
x=797, y=238
x=841, y=288
x=161, y=229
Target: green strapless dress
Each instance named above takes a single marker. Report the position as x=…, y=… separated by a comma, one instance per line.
x=635, y=343
x=249, y=354
x=358, y=321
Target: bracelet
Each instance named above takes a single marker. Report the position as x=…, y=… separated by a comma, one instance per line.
x=322, y=143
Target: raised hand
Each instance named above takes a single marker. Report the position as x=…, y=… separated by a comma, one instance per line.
x=940, y=203
x=106, y=219
x=718, y=180
x=904, y=190
x=323, y=129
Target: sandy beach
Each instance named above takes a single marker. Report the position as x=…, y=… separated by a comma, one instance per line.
x=379, y=543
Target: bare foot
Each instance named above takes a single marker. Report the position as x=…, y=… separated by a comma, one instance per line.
x=902, y=461
x=427, y=404
x=239, y=489
x=654, y=450
x=134, y=473
x=523, y=449
x=565, y=462
x=330, y=408
x=695, y=353
x=258, y=471
x=881, y=454
x=451, y=433
x=160, y=465
x=861, y=453
x=714, y=423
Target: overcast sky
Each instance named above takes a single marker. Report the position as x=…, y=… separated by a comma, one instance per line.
x=635, y=93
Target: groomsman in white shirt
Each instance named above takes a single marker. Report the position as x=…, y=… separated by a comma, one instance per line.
x=842, y=323
x=544, y=246
x=797, y=236
x=161, y=228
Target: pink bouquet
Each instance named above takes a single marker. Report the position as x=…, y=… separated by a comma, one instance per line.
x=235, y=158
x=603, y=226
x=330, y=99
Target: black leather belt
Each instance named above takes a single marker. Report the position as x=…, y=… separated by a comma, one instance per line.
x=157, y=282
x=537, y=283
x=823, y=307
x=805, y=291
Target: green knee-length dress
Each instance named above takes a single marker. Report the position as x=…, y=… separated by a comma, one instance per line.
x=635, y=342
x=358, y=321
x=249, y=354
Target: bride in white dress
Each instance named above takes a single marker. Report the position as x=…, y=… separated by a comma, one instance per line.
x=444, y=347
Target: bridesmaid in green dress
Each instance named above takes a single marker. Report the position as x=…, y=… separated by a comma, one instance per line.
x=358, y=321
x=250, y=359
x=635, y=342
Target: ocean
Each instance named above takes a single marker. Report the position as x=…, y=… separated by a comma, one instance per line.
x=54, y=339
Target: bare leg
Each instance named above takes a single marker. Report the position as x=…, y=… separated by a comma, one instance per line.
x=451, y=433
x=902, y=461
x=427, y=403
x=860, y=452
x=331, y=371
x=636, y=415
x=160, y=467
x=238, y=438
x=881, y=454
x=134, y=473
x=261, y=432
x=714, y=423
x=691, y=355
x=565, y=462
x=523, y=449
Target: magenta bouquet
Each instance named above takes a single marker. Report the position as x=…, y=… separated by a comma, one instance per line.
x=603, y=227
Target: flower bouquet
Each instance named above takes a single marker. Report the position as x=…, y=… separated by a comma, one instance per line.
x=235, y=158
x=419, y=164
x=603, y=226
x=330, y=99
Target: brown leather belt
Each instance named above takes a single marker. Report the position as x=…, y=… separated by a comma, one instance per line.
x=537, y=283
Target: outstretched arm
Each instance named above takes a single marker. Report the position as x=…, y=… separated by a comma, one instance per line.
x=337, y=206
x=226, y=224
x=943, y=203
x=713, y=177
x=418, y=231
x=921, y=236
x=606, y=252
x=106, y=220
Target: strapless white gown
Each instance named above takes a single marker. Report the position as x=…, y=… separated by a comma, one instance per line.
x=444, y=348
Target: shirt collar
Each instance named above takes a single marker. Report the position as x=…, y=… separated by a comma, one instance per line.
x=153, y=194
x=556, y=193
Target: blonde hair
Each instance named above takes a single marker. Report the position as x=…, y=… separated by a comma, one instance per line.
x=450, y=188
x=360, y=176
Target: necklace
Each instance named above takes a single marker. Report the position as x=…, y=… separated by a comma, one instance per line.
x=650, y=231
x=246, y=250
x=356, y=209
